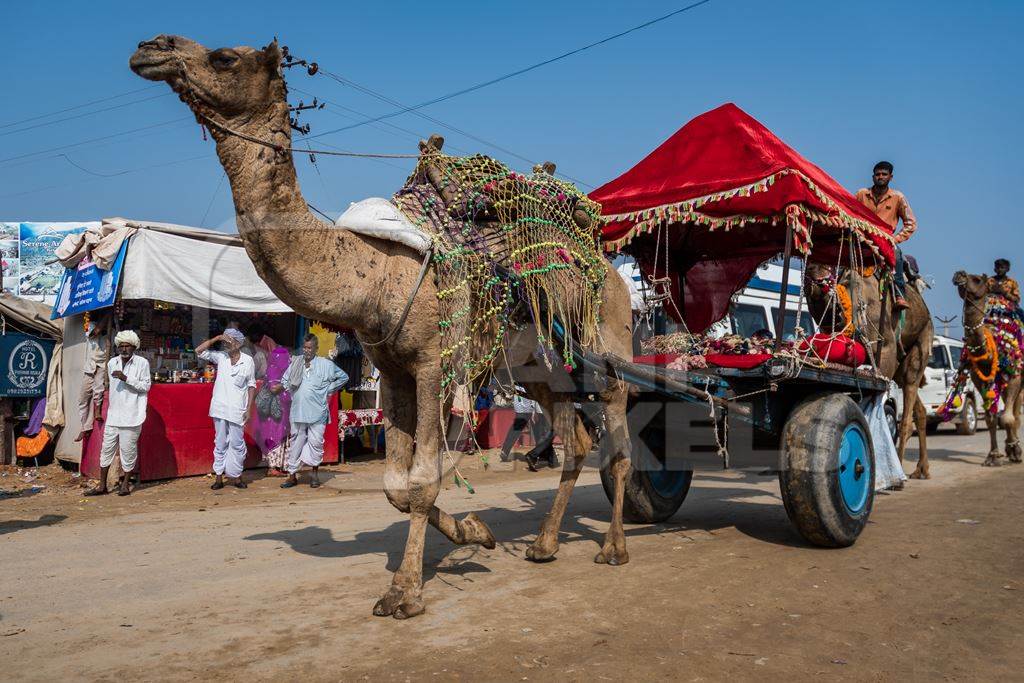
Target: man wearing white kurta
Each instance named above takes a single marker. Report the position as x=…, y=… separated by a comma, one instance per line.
x=233, y=392
x=129, y=381
x=312, y=379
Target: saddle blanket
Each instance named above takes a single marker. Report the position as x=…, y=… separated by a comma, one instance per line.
x=378, y=217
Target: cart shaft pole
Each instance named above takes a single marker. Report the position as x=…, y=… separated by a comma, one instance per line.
x=780, y=317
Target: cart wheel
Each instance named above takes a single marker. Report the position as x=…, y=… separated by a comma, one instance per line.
x=828, y=470
x=653, y=493
x=968, y=422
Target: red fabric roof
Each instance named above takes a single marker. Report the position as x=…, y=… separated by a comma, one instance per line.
x=723, y=183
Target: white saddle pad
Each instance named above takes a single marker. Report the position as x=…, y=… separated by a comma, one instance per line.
x=377, y=217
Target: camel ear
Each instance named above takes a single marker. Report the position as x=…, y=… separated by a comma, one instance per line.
x=272, y=56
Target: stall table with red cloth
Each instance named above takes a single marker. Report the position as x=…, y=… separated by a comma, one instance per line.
x=177, y=437
x=703, y=210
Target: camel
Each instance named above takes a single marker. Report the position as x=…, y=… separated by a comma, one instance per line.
x=901, y=360
x=327, y=273
x=984, y=367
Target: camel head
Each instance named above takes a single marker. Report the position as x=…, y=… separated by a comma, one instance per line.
x=228, y=84
x=819, y=281
x=971, y=287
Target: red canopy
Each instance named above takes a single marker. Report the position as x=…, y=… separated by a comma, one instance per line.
x=726, y=188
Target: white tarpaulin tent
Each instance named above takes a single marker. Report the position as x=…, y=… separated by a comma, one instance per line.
x=193, y=267
x=170, y=263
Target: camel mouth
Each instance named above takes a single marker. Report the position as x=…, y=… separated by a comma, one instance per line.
x=153, y=64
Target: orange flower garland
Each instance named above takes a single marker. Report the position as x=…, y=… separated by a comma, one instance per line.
x=843, y=296
x=991, y=353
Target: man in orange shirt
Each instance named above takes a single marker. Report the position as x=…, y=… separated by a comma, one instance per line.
x=891, y=206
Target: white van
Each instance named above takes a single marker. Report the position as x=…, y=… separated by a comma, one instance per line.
x=940, y=373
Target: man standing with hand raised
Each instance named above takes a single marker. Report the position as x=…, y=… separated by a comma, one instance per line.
x=233, y=393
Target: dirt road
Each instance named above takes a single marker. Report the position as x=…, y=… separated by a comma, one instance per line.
x=262, y=584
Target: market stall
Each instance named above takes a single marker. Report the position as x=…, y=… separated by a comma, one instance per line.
x=176, y=287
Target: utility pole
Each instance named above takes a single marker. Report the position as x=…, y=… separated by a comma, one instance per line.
x=945, y=323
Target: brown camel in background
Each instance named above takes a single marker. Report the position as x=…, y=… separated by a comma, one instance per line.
x=902, y=360
x=330, y=274
x=973, y=289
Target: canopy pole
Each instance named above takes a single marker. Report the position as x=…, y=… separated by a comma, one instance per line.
x=780, y=317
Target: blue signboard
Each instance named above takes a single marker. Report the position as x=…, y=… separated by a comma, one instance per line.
x=86, y=287
x=24, y=365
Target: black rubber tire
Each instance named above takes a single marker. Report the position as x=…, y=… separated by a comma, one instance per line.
x=931, y=427
x=642, y=502
x=962, y=426
x=809, y=466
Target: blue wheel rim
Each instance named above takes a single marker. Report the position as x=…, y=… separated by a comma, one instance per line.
x=666, y=483
x=855, y=475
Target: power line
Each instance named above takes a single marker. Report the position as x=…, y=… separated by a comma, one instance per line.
x=385, y=98
x=80, y=106
x=92, y=140
x=126, y=172
x=513, y=74
x=88, y=113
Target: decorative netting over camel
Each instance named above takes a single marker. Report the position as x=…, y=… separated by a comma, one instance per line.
x=509, y=250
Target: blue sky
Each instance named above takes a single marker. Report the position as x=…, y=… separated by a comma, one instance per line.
x=932, y=86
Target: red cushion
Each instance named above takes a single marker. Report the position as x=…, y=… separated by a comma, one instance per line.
x=739, y=362
x=842, y=349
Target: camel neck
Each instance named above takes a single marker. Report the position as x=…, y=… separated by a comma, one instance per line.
x=287, y=243
x=974, y=318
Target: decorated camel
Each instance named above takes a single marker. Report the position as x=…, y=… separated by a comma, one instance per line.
x=992, y=359
x=900, y=345
x=364, y=283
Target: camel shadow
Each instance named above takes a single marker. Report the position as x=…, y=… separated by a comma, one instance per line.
x=706, y=509
x=22, y=524
x=317, y=541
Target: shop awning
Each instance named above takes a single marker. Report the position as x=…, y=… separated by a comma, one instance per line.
x=194, y=267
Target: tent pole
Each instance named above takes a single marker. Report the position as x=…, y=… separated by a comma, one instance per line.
x=780, y=317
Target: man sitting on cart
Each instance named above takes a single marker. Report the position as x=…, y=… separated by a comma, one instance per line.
x=891, y=206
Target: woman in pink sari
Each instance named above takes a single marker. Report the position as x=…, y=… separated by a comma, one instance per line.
x=273, y=403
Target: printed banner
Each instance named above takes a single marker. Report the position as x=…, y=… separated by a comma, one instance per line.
x=27, y=252
x=24, y=365
x=87, y=288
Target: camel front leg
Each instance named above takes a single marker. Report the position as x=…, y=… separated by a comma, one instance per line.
x=399, y=431
x=614, y=549
x=404, y=598
x=992, y=460
x=564, y=422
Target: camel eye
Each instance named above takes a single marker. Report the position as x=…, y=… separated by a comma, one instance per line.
x=223, y=59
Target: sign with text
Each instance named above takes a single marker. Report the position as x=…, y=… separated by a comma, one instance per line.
x=24, y=365
x=87, y=288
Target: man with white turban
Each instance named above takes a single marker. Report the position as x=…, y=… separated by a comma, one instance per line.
x=233, y=393
x=129, y=381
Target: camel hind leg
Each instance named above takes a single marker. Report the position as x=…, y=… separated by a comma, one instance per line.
x=576, y=444
x=922, y=470
x=614, y=549
x=1010, y=419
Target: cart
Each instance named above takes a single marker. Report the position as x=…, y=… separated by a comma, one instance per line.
x=700, y=214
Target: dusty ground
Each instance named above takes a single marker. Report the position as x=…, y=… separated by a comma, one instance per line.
x=179, y=583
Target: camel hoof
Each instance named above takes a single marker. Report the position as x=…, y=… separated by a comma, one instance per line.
x=920, y=474
x=612, y=556
x=478, y=532
x=538, y=553
x=410, y=607
x=400, y=604
x=992, y=461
